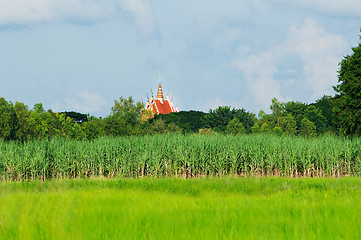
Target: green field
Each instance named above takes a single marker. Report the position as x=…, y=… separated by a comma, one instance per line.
x=177, y=208
x=181, y=155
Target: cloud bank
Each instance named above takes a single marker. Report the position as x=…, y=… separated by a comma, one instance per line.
x=142, y=14
x=335, y=7
x=35, y=11
x=318, y=50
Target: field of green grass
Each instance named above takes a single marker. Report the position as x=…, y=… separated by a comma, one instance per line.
x=178, y=208
x=181, y=155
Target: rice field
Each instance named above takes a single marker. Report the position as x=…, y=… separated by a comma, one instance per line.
x=177, y=208
x=185, y=156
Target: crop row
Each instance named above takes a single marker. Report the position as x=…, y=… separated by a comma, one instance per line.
x=181, y=155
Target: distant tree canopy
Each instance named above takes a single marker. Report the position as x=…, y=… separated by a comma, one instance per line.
x=347, y=102
x=219, y=118
x=127, y=118
x=189, y=121
x=78, y=117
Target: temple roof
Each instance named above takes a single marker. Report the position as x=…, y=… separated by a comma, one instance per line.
x=160, y=105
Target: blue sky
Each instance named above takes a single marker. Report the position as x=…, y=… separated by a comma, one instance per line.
x=81, y=55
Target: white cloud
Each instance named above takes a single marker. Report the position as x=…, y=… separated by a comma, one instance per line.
x=258, y=71
x=334, y=7
x=142, y=14
x=319, y=51
x=83, y=101
x=35, y=11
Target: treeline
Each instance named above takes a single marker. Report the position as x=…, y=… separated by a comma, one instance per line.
x=291, y=118
x=128, y=118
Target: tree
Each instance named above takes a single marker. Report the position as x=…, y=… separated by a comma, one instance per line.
x=188, y=121
x=158, y=126
x=38, y=108
x=315, y=115
x=265, y=128
x=235, y=127
x=347, y=102
x=256, y=128
x=289, y=125
x=78, y=117
x=277, y=131
x=8, y=120
x=93, y=128
x=23, y=133
x=127, y=109
x=277, y=109
x=308, y=128
x=325, y=105
x=219, y=118
x=124, y=118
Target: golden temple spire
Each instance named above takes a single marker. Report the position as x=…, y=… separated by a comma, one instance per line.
x=160, y=91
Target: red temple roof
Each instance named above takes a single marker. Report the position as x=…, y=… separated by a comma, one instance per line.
x=160, y=105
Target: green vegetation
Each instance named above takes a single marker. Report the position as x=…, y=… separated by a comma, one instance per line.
x=181, y=155
x=151, y=208
x=347, y=102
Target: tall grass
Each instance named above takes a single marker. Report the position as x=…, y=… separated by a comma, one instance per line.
x=181, y=155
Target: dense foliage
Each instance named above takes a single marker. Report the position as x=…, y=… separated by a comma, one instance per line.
x=347, y=103
x=128, y=118
x=181, y=155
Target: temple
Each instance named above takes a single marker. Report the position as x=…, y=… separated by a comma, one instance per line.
x=160, y=105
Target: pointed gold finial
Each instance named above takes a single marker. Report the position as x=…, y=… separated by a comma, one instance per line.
x=160, y=92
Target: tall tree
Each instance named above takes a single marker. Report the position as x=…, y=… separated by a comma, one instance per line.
x=277, y=108
x=124, y=118
x=8, y=120
x=22, y=112
x=347, y=103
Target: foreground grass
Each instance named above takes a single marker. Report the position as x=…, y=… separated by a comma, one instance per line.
x=173, y=208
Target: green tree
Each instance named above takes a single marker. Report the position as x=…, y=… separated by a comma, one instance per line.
x=127, y=109
x=256, y=128
x=324, y=104
x=289, y=125
x=219, y=118
x=23, y=133
x=8, y=120
x=38, y=108
x=265, y=128
x=347, y=102
x=124, y=118
x=188, y=121
x=308, y=128
x=158, y=126
x=235, y=127
x=93, y=128
x=315, y=115
x=277, y=131
x=277, y=109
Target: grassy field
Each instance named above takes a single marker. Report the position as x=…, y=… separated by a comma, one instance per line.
x=181, y=155
x=177, y=208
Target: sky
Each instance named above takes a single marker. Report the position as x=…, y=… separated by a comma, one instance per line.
x=81, y=55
